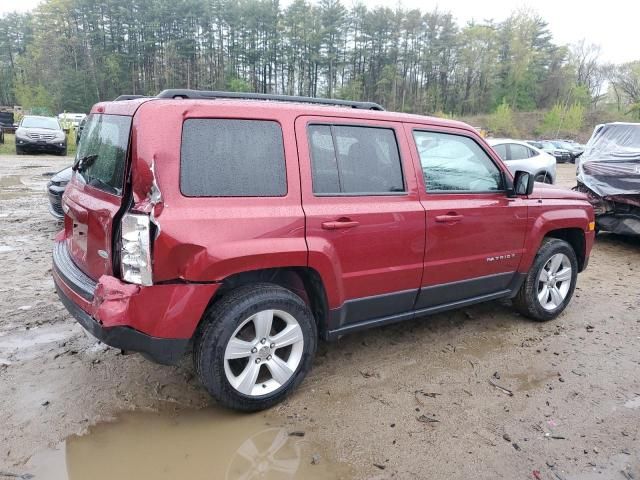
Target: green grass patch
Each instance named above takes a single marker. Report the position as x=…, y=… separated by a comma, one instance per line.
x=9, y=145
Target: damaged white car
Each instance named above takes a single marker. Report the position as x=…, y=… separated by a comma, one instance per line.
x=609, y=173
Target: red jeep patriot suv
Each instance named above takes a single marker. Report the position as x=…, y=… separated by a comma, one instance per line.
x=247, y=226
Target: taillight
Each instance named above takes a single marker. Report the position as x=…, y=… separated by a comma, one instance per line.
x=135, y=253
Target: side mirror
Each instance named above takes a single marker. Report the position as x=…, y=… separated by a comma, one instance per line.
x=523, y=183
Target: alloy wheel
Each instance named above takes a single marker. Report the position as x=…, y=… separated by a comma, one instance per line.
x=263, y=353
x=554, y=281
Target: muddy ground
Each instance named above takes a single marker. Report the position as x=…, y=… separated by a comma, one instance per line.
x=425, y=399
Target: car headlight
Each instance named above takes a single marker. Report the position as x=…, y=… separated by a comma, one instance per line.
x=60, y=137
x=135, y=256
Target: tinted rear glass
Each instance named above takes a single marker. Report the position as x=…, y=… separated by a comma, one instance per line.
x=102, y=152
x=354, y=160
x=232, y=158
x=519, y=152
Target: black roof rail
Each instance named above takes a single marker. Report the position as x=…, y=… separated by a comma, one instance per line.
x=127, y=97
x=206, y=95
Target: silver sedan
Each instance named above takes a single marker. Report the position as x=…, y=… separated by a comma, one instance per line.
x=519, y=155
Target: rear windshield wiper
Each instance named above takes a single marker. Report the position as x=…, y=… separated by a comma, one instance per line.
x=83, y=162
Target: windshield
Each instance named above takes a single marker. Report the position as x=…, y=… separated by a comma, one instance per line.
x=40, y=122
x=102, y=152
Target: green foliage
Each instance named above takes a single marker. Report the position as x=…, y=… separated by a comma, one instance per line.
x=238, y=85
x=563, y=120
x=634, y=111
x=9, y=145
x=500, y=122
x=552, y=120
x=580, y=95
x=36, y=99
x=351, y=91
x=69, y=54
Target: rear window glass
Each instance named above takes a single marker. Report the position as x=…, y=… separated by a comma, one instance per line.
x=232, y=158
x=354, y=160
x=102, y=151
x=519, y=152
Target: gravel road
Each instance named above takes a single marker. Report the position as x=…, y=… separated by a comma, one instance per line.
x=477, y=393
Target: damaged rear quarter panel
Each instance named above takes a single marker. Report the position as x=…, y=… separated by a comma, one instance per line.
x=164, y=311
x=205, y=239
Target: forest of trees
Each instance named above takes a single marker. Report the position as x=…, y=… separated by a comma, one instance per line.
x=69, y=54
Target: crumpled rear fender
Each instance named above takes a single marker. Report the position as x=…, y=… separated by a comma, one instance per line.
x=165, y=311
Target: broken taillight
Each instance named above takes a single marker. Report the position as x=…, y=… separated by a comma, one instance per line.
x=135, y=253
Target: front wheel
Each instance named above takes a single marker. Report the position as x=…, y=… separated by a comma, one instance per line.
x=257, y=345
x=550, y=283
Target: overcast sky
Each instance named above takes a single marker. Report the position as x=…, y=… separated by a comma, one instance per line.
x=612, y=24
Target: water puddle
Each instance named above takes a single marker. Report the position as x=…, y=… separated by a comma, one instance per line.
x=633, y=403
x=530, y=379
x=23, y=344
x=11, y=186
x=195, y=445
x=14, y=186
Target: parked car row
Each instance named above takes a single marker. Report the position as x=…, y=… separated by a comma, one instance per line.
x=519, y=155
x=564, y=151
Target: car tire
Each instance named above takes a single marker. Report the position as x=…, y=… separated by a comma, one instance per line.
x=63, y=153
x=230, y=375
x=544, y=178
x=542, y=296
x=19, y=151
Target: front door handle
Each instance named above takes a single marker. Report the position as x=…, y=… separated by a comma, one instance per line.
x=340, y=223
x=449, y=218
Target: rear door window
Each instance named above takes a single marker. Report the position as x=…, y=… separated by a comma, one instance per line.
x=518, y=152
x=354, y=160
x=232, y=158
x=102, y=152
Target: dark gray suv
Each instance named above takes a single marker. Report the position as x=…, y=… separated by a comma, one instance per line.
x=40, y=134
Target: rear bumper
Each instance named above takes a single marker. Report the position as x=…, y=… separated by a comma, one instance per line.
x=157, y=321
x=167, y=351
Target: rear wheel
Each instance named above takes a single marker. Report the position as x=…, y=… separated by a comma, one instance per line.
x=256, y=347
x=550, y=282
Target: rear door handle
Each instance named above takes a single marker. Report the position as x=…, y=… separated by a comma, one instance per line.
x=340, y=223
x=449, y=218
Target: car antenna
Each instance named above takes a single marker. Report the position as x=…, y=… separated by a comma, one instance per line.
x=544, y=180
